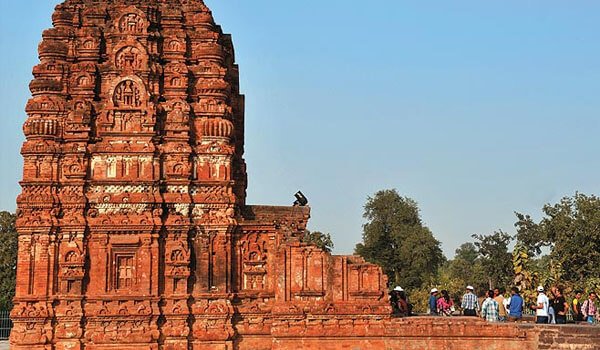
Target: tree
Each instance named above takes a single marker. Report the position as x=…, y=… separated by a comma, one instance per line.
x=570, y=230
x=321, y=240
x=8, y=259
x=395, y=238
x=496, y=260
x=466, y=268
x=524, y=277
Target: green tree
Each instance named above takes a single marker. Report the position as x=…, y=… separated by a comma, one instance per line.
x=8, y=259
x=496, y=260
x=395, y=238
x=466, y=269
x=320, y=239
x=570, y=230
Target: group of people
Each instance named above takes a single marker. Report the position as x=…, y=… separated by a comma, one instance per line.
x=496, y=306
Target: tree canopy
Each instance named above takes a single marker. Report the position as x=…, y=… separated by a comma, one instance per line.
x=496, y=260
x=570, y=230
x=320, y=239
x=395, y=237
x=8, y=259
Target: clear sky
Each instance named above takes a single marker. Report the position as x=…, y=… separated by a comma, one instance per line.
x=475, y=109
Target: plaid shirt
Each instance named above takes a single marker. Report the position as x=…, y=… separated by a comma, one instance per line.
x=490, y=310
x=469, y=302
x=589, y=308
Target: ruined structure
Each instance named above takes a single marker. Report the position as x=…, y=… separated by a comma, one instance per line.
x=134, y=231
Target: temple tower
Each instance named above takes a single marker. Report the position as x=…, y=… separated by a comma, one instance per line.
x=133, y=227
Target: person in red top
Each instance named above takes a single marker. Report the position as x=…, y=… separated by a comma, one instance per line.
x=445, y=304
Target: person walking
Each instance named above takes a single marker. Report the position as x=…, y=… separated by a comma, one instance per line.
x=445, y=304
x=515, y=305
x=433, y=302
x=490, y=308
x=499, y=298
x=560, y=306
x=589, y=309
x=469, y=304
x=576, y=306
x=541, y=306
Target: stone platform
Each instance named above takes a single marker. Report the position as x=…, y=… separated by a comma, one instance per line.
x=457, y=333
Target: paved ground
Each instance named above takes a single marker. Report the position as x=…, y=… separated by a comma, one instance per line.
x=3, y=345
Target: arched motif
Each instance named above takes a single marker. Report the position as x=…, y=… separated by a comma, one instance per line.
x=132, y=23
x=127, y=94
x=84, y=80
x=72, y=257
x=129, y=57
x=175, y=45
x=88, y=44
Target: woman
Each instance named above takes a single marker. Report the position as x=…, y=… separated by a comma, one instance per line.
x=445, y=304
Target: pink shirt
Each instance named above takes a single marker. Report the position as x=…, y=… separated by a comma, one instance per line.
x=443, y=305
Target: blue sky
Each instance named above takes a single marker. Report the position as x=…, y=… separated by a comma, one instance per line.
x=475, y=109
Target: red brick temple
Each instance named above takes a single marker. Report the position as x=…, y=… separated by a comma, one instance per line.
x=133, y=223
x=134, y=232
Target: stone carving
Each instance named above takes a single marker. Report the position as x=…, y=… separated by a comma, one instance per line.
x=131, y=23
x=127, y=94
x=133, y=228
x=129, y=58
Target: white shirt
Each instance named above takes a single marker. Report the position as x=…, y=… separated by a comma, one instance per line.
x=542, y=299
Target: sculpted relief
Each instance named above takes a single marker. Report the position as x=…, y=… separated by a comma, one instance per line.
x=127, y=94
x=133, y=227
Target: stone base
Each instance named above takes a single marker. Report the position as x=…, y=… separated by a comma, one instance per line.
x=220, y=345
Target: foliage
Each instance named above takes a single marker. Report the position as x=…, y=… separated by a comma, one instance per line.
x=395, y=238
x=320, y=239
x=495, y=258
x=571, y=231
x=418, y=298
x=465, y=269
x=8, y=259
x=524, y=278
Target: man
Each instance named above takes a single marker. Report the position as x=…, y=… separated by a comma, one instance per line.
x=541, y=307
x=515, y=305
x=490, y=308
x=560, y=306
x=577, y=316
x=433, y=302
x=469, y=304
x=499, y=298
x=589, y=309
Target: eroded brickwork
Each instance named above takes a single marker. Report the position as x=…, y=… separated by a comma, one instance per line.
x=134, y=231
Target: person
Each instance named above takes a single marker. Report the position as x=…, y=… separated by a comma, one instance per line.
x=560, y=306
x=403, y=305
x=394, y=300
x=469, y=303
x=515, y=305
x=576, y=306
x=499, y=297
x=490, y=308
x=541, y=306
x=445, y=304
x=433, y=302
x=589, y=309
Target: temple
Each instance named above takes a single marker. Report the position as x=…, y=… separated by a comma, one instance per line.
x=134, y=232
